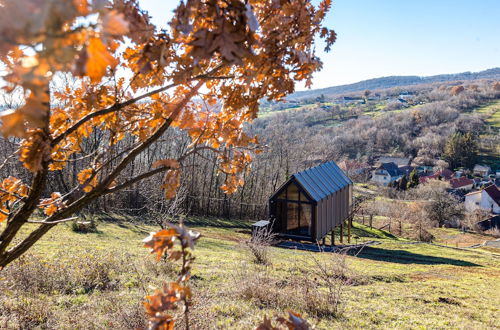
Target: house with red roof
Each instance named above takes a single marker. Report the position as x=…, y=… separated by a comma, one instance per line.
x=445, y=175
x=487, y=199
x=462, y=183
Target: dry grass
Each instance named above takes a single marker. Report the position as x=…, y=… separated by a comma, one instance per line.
x=87, y=292
x=321, y=295
x=453, y=237
x=98, y=281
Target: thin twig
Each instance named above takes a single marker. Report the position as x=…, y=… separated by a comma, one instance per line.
x=53, y=222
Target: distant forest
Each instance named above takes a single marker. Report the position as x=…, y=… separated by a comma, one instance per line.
x=395, y=81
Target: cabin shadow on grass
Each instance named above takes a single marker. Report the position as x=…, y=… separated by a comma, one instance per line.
x=405, y=257
x=217, y=222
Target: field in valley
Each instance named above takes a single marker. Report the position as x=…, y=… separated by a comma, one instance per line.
x=98, y=280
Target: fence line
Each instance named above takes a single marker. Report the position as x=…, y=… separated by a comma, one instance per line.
x=225, y=207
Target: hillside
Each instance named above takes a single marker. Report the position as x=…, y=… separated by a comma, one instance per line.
x=394, y=81
x=102, y=278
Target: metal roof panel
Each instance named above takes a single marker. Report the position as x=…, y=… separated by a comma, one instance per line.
x=323, y=180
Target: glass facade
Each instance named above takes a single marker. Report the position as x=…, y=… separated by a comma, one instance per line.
x=294, y=212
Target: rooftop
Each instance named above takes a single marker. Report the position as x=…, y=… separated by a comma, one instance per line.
x=461, y=182
x=494, y=193
x=322, y=180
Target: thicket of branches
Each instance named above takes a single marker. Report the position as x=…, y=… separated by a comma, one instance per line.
x=291, y=141
x=102, y=99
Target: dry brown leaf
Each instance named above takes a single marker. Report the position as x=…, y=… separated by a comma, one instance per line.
x=114, y=23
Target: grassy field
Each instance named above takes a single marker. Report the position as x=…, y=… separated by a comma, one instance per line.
x=490, y=156
x=492, y=111
x=97, y=281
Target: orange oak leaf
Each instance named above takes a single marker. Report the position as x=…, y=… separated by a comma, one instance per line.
x=12, y=123
x=34, y=151
x=170, y=163
x=85, y=178
x=4, y=214
x=161, y=241
x=53, y=204
x=98, y=59
x=171, y=183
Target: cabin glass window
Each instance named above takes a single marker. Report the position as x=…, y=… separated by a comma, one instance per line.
x=293, y=192
x=282, y=195
x=292, y=223
x=305, y=219
x=293, y=212
x=303, y=198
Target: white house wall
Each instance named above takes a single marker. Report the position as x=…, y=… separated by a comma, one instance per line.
x=488, y=204
x=472, y=202
x=481, y=201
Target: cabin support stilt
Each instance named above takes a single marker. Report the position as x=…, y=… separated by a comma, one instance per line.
x=349, y=224
x=324, y=241
x=342, y=232
x=333, y=238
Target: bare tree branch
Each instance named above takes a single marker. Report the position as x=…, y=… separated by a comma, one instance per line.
x=53, y=222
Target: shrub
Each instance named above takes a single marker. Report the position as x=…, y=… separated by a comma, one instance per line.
x=259, y=245
x=84, y=226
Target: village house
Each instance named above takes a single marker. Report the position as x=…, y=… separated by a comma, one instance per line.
x=399, y=161
x=490, y=223
x=424, y=170
x=407, y=169
x=487, y=199
x=462, y=183
x=353, y=167
x=482, y=170
x=445, y=175
x=350, y=99
x=386, y=173
x=406, y=95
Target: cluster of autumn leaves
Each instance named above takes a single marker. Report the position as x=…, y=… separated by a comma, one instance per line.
x=85, y=67
x=161, y=305
x=12, y=190
x=238, y=51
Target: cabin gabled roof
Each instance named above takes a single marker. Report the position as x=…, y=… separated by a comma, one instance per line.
x=323, y=180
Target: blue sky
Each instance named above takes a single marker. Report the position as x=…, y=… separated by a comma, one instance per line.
x=379, y=38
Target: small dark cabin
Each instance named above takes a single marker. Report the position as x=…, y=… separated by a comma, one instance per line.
x=311, y=203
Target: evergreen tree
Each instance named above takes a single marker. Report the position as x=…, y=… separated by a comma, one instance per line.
x=403, y=183
x=413, y=180
x=461, y=150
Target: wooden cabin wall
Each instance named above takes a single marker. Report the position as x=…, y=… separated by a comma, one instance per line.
x=332, y=210
x=330, y=221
